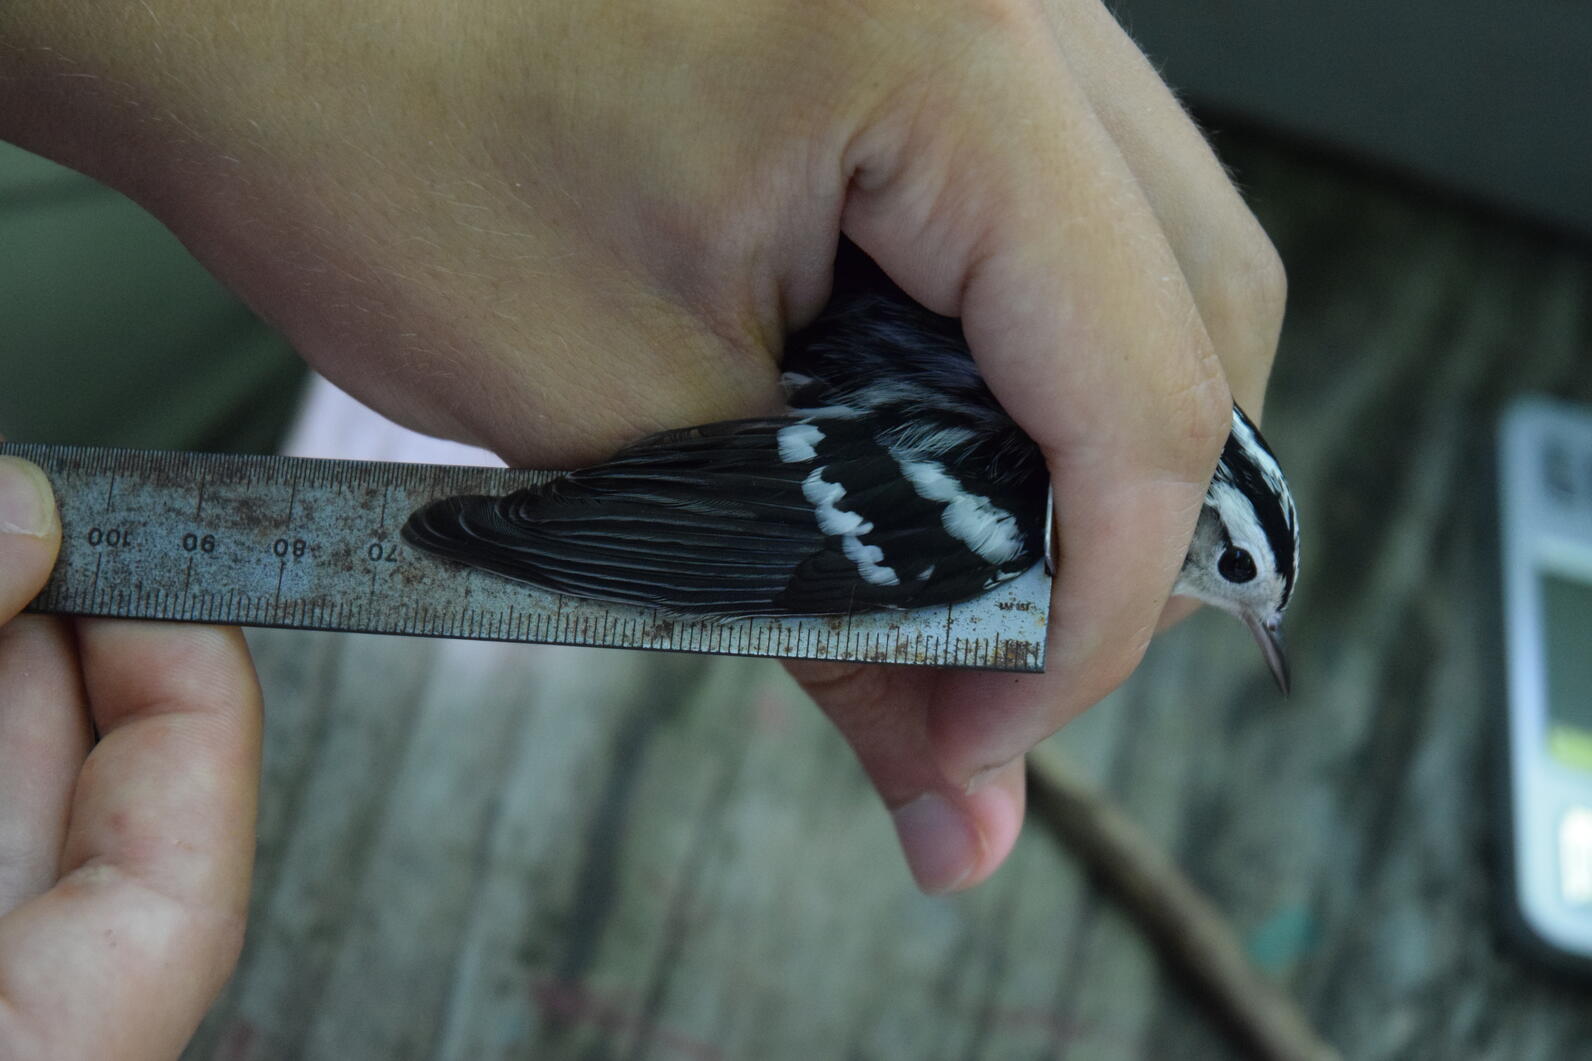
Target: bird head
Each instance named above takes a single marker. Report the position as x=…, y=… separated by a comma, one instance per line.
x=1245, y=552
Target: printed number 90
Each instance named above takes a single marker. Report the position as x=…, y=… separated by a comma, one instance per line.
x=193, y=543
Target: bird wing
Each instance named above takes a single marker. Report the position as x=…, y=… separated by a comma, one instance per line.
x=786, y=515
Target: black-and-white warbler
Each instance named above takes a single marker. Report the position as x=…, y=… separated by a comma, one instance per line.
x=895, y=480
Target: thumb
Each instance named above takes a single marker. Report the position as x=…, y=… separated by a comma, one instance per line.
x=30, y=533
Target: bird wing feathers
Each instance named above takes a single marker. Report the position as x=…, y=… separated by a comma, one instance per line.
x=753, y=517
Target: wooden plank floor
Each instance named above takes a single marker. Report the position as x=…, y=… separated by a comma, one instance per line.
x=476, y=852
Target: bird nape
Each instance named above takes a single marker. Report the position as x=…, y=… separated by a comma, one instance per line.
x=894, y=480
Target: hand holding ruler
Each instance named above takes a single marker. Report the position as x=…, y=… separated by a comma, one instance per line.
x=313, y=544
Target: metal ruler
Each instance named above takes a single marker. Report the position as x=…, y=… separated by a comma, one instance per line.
x=314, y=544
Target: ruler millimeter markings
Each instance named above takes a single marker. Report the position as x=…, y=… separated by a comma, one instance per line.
x=314, y=544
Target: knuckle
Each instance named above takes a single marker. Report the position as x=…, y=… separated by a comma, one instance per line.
x=1242, y=303
x=1262, y=275
x=1251, y=285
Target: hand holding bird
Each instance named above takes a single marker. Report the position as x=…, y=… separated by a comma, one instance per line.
x=574, y=226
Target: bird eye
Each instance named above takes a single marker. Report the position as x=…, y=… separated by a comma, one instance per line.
x=1236, y=565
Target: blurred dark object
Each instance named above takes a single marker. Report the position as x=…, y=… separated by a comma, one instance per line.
x=1484, y=97
x=112, y=335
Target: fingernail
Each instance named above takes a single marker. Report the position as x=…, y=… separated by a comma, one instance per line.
x=985, y=776
x=941, y=845
x=27, y=504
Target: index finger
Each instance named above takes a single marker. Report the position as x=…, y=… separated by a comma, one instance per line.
x=126, y=952
x=1037, y=235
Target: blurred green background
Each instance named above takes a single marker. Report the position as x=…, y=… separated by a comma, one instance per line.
x=113, y=335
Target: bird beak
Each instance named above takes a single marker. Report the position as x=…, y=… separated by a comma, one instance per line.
x=1269, y=637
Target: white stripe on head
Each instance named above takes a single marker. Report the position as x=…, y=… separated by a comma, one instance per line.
x=1267, y=465
x=1238, y=519
x=1270, y=471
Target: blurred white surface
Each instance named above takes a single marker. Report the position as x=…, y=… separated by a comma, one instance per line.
x=332, y=424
